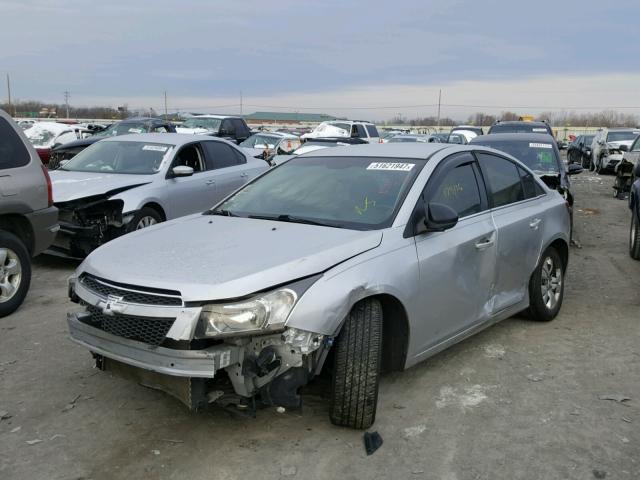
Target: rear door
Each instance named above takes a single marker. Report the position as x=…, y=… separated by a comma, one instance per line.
x=517, y=211
x=228, y=167
x=457, y=266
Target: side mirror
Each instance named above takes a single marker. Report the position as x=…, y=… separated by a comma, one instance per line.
x=182, y=171
x=574, y=169
x=636, y=170
x=439, y=217
x=624, y=148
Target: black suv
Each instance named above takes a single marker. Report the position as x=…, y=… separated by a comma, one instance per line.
x=125, y=127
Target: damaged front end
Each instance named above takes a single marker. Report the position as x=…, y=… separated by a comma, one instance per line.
x=236, y=353
x=87, y=223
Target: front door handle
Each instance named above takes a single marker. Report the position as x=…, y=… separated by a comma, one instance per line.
x=210, y=182
x=484, y=244
x=535, y=223
x=244, y=174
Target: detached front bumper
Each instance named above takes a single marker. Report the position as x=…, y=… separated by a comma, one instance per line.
x=180, y=363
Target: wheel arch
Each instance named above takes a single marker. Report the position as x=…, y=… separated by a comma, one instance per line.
x=20, y=227
x=157, y=207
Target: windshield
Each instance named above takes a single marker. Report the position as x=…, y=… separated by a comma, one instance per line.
x=518, y=128
x=40, y=137
x=350, y=192
x=123, y=128
x=538, y=156
x=261, y=141
x=622, y=136
x=212, y=124
x=119, y=157
x=408, y=138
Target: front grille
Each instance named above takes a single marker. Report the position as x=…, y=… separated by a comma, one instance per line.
x=131, y=294
x=142, y=329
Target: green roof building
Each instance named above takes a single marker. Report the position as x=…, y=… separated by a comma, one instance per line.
x=287, y=117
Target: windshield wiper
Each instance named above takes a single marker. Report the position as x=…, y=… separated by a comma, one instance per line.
x=222, y=212
x=294, y=219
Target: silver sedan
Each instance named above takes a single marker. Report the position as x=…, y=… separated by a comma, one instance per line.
x=375, y=256
x=128, y=182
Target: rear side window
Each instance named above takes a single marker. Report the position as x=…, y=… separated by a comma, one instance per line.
x=503, y=180
x=13, y=153
x=459, y=190
x=358, y=131
x=240, y=126
x=220, y=155
x=372, y=130
x=528, y=184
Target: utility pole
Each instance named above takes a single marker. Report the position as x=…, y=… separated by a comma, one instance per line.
x=439, y=101
x=165, y=106
x=66, y=100
x=9, y=94
x=240, y=102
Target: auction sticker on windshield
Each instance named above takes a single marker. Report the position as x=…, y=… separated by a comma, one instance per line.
x=540, y=145
x=155, y=148
x=544, y=130
x=398, y=167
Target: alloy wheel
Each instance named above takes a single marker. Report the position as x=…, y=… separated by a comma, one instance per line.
x=551, y=284
x=145, y=222
x=10, y=274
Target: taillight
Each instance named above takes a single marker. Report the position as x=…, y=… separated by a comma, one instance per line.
x=49, y=186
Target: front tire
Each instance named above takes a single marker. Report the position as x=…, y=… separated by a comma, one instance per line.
x=15, y=273
x=634, y=237
x=145, y=217
x=356, y=373
x=546, y=287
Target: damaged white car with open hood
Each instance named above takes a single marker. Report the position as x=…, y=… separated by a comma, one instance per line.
x=354, y=260
x=125, y=183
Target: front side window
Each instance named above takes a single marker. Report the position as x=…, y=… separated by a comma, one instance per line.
x=13, y=152
x=119, y=157
x=503, y=180
x=459, y=190
x=350, y=192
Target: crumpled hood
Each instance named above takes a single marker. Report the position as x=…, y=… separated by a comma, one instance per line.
x=193, y=131
x=73, y=185
x=209, y=257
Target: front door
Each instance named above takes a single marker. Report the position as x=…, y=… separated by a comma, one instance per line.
x=456, y=266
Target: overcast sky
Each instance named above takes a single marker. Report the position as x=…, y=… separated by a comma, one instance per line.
x=371, y=59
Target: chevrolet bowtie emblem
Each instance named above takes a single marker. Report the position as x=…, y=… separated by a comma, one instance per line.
x=110, y=307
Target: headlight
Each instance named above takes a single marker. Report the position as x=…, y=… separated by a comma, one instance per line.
x=263, y=312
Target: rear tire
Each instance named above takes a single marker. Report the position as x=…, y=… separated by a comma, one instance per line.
x=546, y=287
x=634, y=236
x=356, y=374
x=15, y=273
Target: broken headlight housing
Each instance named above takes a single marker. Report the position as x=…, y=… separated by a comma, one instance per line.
x=263, y=312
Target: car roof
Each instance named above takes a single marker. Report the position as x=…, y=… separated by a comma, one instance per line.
x=168, y=138
x=510, y=137
x=277, y=134
x=207, y=115
x=387, y=150
x=520, y=122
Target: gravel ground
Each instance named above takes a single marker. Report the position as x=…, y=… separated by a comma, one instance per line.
x=521, y=400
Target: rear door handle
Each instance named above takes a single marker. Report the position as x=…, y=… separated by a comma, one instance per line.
x=210, y=182
x=244, y=174
x=484, y=244
x=535, y=223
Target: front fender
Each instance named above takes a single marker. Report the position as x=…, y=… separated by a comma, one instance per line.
x=384, y=270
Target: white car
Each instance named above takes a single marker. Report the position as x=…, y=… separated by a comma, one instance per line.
x=345, y=129
x=605, y=148
x=45, y=136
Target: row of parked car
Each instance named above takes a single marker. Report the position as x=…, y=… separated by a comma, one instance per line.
x=242, y=280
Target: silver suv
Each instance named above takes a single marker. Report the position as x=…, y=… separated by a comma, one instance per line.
x=28, y=220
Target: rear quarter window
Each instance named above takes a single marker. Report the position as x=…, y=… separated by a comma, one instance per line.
x=372, y=130
x=13, y=153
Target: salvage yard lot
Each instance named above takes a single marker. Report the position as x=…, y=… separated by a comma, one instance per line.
x=520, y=400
